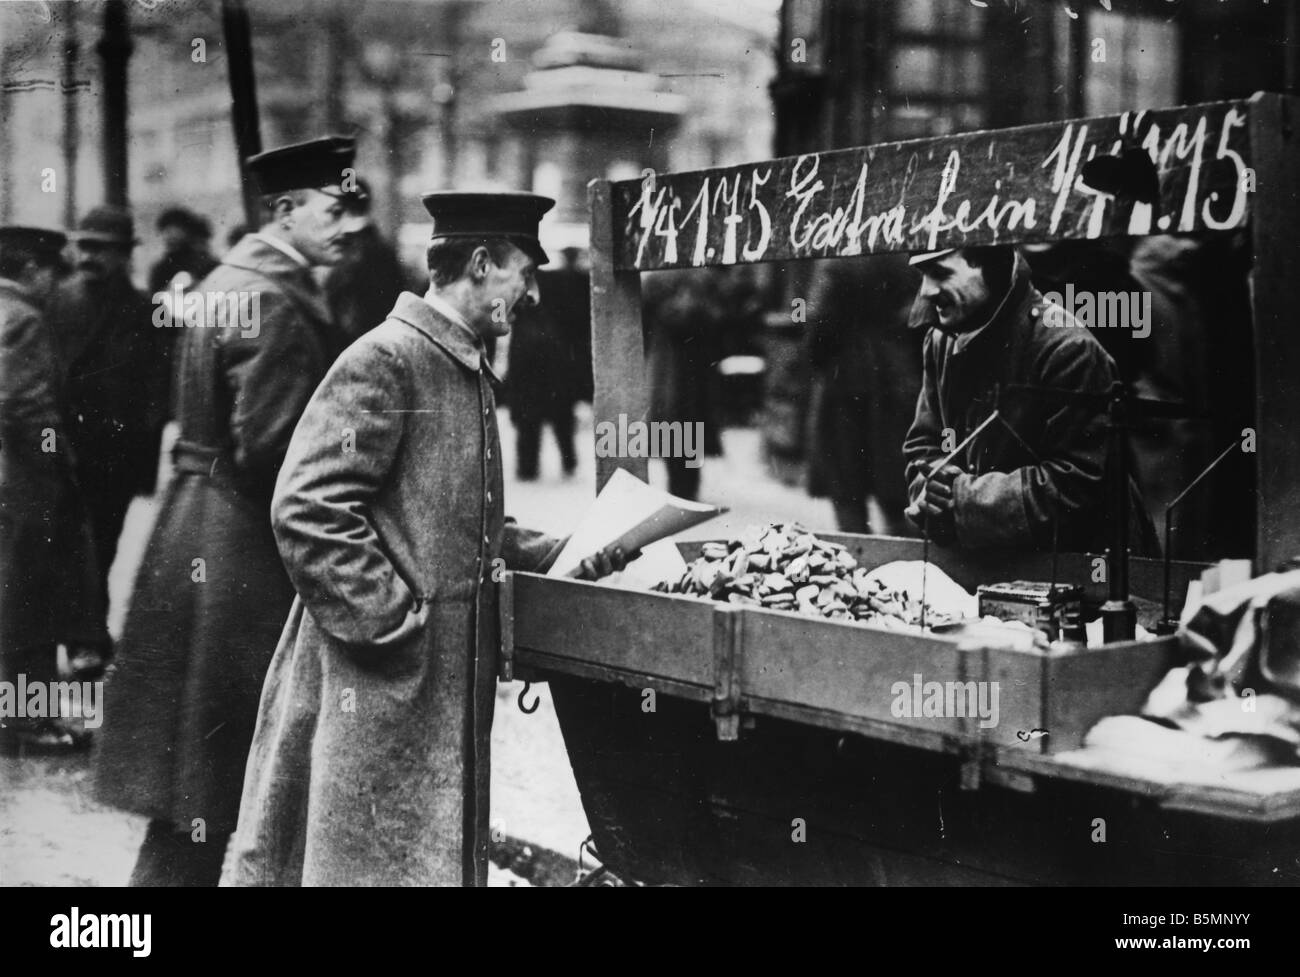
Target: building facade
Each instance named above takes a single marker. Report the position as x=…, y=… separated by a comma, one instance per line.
x=415, y=80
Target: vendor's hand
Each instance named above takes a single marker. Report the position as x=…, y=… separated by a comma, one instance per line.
x=937, y=498
x=609, y=560
x=941, y=528
x=946, y=475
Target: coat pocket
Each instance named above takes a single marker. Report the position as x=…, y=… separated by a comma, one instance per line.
x=401, y=650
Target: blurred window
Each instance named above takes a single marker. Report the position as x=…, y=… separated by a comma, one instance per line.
x=1141, y=63
x=958, y=20
x=805, y=20
x=937, y=69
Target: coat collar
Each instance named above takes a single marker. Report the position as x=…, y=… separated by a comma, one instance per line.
x=253, y=254
x=451, y=337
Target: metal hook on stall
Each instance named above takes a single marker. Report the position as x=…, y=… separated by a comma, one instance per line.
x=527, y=711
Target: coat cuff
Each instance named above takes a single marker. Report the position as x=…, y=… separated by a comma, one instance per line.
x=528, y=549
x=990, y=510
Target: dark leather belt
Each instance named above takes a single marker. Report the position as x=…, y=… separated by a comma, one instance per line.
x=200, y=459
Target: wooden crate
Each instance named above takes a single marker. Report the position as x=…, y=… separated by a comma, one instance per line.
x=754, y=661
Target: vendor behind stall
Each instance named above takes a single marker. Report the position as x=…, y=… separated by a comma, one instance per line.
x=989, y=327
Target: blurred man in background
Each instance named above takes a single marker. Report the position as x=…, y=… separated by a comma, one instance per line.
x=683, y=314
x=187, y=249
x=187, y=259
x=363, y=286
x=867, y=367
x=550, y=366
x=116, y=365
x=49, y=592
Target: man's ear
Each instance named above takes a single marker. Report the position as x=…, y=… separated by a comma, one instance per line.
x=479, y=262
x=283, y=206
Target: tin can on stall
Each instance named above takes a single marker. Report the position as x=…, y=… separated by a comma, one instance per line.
x=1056, y=611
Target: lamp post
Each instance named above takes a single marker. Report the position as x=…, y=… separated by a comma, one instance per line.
x=114, y=49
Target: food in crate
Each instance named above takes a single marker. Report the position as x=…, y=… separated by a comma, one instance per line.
x=787, y=568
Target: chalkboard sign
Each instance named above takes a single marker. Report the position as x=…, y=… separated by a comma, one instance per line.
x=996, y=187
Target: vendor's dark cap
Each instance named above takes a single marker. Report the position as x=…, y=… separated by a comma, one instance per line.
x=35, y=240
x=510, y=215
x=107, y=223
x=307, y=165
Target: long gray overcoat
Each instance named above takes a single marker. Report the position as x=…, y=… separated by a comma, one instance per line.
x=211, y=596
x=370, y=761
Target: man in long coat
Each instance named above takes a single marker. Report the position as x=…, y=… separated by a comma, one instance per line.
x=370, y=762
x=550, y=371
x=212, y=595
x=867, y=366
x=116, y=365
x=48, y=587
x=988, y=327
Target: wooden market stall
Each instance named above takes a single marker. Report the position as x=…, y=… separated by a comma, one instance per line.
x=772, y=753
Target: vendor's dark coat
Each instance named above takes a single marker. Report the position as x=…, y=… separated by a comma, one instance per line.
x=48, y=588
x=180, y=710
x=370, y=763
x=1007, y=498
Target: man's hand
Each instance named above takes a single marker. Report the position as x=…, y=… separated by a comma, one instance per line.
x=936, y=499
x=609, y=560
x=933, y=510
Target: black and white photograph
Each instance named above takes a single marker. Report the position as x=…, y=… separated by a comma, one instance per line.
x=651, y=443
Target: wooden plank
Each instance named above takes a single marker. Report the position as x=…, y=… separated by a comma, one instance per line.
x=1021, y=697
x=847, y=668
x=1088, y=685
x=506, y=626
x=726, y=671
x=617, y=339
x=995, y=187
x=655, y=635
x=887, y=732
x=1274, y=298
x=545, y=662
x=1267, y=795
